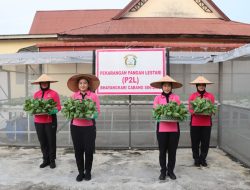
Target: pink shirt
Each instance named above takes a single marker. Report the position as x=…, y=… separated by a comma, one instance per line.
x=161, y=100
x=48, y=94
x=89, y=95
x=200, y=120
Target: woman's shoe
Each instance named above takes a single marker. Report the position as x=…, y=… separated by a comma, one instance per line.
x=44, y=164
x=172, y=175
x=80, y=177
x=52, y=164
x=197, y=163
x=162, y=176
x=204, y=163
x=88, y=176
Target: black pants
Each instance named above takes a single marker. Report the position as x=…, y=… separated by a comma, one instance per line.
x=168, y=143
x=46, y=134
x=84, y=144
x=200, y=139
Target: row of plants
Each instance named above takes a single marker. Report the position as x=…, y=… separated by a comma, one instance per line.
x=87, y=109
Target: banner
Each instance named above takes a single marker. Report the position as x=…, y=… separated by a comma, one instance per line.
x=129, y=71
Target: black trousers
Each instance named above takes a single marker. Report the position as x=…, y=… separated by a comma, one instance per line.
x=84, y=144
x=168, y=143
x=200, y=139
x=46, y=133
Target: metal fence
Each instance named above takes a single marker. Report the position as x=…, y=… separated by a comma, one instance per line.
x=119, y=126
x=125, y=121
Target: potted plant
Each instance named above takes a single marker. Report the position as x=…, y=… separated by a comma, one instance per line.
x=84, y=109
x=171, y=112
x=39, y=106
x=203, y=106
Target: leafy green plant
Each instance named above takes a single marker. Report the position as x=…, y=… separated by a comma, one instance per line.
x=170, y=111
x=203, y=106
x=79, y=108
x=39, y=106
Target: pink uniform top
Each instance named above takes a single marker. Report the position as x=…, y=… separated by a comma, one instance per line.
x=89, y=95
x=48, y=94
x=161, y=100
x=200, y=120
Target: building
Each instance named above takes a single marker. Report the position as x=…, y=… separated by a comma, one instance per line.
x=186, y=25
x=194, y=31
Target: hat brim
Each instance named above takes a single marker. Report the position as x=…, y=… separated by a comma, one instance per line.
x=38, y=82
x=159, y=84
x=93, y=81
x=194, y=83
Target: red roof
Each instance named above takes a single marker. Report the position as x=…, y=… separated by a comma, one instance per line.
x=53, y=22
x=100, y=22
x=169, y=26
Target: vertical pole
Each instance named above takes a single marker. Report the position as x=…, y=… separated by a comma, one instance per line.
x=26, y=95
x=219, y=130
x=9, y=91
x=232, y=77
x=40, y=69
x=9, y=85
x=168, y=61
x=26, y=80
x=111, y=128
x=93, y=62
x=15, y=126
x=130, y=121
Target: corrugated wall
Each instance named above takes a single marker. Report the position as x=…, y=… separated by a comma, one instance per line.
x=234, y=121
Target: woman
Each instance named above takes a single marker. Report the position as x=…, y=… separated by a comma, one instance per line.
x=83, y=131
x=200, y=125
x=46, y=125
x=168, y=133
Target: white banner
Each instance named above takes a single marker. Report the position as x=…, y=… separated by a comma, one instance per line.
x=129, y=71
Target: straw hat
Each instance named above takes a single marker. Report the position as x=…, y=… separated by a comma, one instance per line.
x=201, y=80
x=158, y=84
x=44, y=78
x=93, y=81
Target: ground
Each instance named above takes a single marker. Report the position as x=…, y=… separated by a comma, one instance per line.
x=119, y=170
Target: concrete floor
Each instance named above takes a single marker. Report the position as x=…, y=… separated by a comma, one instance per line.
x=126, y=169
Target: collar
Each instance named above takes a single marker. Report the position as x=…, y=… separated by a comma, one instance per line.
x=87, y=92
x=198, y=94
x=46, y=91
x=162, y=96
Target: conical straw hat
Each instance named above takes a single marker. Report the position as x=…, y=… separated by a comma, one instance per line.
x=44, y=78
x=93, y=81
x=201, y=80
x=158, y=84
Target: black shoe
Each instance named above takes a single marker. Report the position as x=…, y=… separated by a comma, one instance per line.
x=172, y=175
x=87, y=176
x=162, y=176
x=52, y=164
x=44, y=164
x=80, y=177
x=204, y=163
x=197, y=163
